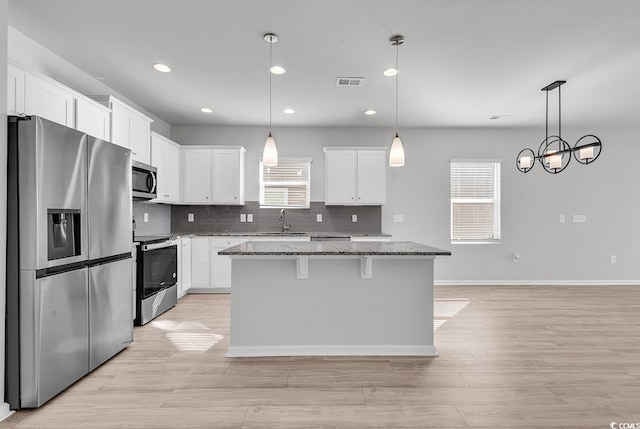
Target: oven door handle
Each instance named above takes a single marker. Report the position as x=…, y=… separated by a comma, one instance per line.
x=154, y=246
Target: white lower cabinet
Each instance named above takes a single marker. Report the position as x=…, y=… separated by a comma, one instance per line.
x=184, y=266
x=210, y=272
x=221, y=265
x=200, y=263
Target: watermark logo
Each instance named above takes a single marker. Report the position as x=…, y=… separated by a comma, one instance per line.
x=614, y=425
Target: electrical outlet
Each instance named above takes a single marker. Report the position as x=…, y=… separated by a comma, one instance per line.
x=145, y=217
x=243, y=217
x=516, y=258
x=613, y=259
x=354, y=218
x=250, y=217
x=190, y=217
x=319, y=217
x=579, y=218
x=398, y=218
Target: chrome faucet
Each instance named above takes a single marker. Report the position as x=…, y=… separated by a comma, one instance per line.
x=285, y=226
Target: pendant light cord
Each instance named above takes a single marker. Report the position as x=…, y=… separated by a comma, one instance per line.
x=270, y=65
x=397, y=72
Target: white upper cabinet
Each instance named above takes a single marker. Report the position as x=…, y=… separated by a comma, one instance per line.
x=15, y=89
x=129, y=128
x=228, y=176
x=47, y=98
x=93, y=118
x=214, y=175
x=165, y=156
x=355, y=176
x=197, y=176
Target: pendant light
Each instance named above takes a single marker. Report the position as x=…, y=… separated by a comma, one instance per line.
x=555, y=153
x=270, y=153
x=396, y=155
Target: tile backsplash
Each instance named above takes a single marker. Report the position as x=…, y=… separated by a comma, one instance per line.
x=227, y=219
x=159, y=218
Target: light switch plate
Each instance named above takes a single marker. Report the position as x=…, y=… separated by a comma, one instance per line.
x=319, y=217
x=398, y=218
x=145, y=217
x=243, y=217
x=561, y=218
x=190, y=217
x=250, y=217
x=354, y=218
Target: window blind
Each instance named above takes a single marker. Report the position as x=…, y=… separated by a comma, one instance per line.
x=286, y=185
x=475, y=201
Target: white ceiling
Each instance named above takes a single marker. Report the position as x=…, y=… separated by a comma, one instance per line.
x=463, y=60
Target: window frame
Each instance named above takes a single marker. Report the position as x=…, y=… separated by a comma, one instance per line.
x=262, y=184
x=496, y=200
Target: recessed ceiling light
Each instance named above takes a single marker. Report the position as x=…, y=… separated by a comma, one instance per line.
x=162, y=68
x=289, y=111
x=277, y=70
x=391, y=71
x=206, y=110
x=369, y=112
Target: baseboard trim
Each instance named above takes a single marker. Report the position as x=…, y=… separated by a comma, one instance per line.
x=536, y=282
x=5, y=411
x=381, y=350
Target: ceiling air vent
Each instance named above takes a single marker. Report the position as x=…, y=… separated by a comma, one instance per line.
x=349, y=81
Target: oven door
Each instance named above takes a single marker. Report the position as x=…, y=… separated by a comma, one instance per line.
x=159, y=268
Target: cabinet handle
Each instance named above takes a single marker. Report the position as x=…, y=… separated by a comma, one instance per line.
x=166, y=195
x=134, y=153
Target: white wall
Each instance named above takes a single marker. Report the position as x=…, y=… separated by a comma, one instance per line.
x=551, y=252
x=30, y=53
x=4, y=4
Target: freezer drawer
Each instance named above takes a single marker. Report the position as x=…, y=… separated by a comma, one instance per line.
x=54, y=334
x=110, y=310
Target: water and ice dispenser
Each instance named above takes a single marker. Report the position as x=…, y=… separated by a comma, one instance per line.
x=63, y=234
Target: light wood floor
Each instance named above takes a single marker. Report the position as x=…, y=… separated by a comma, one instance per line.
x=526, y=357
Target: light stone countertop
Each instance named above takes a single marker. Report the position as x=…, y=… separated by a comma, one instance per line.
x=375, y=248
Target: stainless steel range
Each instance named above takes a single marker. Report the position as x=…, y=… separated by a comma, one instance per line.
x=157, y=277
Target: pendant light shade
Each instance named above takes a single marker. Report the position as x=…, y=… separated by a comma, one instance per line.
x=270, y=153
x=396, y=156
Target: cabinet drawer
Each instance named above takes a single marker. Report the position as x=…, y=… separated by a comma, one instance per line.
x=223, y=243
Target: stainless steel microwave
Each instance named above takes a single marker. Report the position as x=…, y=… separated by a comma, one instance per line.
x=144, y=180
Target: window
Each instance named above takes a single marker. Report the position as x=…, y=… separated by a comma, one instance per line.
x=286, y=185
x=475, y=201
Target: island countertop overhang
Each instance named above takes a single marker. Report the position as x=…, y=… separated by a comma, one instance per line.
x=333, y=248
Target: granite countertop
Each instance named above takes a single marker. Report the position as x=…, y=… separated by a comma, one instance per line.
x=281, y=234
x=375, y=248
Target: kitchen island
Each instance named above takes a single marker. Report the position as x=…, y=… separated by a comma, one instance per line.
x=332, y=298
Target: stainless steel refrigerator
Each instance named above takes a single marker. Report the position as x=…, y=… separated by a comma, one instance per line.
x=69, y=260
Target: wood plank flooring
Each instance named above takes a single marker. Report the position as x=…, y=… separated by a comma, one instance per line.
x=525, y=357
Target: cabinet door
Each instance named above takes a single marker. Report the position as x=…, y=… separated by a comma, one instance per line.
x=172, y=172
x=197, y=176
x=15, y=90
x=226, y=177
x=372, y=181
x=158, y=160
x=340, y=177
x=185, y=266
x=200, y=262
x=93, y=119
x=221, y=264
x=139, y=138
x=120, y=125
x=48, y=100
